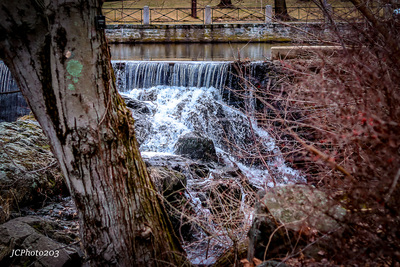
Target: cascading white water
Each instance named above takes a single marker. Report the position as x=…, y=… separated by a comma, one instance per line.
x=186, y=97
x=146, y=74
x=7, y=82
x=12, y=103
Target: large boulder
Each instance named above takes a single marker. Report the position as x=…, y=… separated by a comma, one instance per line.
x=142, y=112
x=194, y=146
x=170, y=174
x=172, y=185
x=32, y=241
x=139, y=107
x=29, y=173
x=292, y=214
x=167, y=181
x=185, y=166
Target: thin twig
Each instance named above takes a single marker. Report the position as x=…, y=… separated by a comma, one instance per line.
x=393, y=187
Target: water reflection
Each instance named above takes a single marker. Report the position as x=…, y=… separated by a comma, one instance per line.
x=192, y=51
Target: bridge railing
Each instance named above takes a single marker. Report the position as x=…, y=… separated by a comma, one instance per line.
x=123, y=15
x=176, y=15
x=210, y=15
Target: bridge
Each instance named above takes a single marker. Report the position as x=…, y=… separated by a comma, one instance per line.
x=214, y=15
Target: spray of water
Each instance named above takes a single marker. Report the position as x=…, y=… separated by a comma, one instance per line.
x=188, y=97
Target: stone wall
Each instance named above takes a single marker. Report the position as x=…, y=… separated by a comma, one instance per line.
x=269, y=32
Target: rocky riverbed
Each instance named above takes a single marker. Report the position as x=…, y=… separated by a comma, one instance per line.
x=216, y=211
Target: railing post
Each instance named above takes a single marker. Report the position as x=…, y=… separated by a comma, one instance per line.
x=146, y=15
x=268, y=14
x=207, y=16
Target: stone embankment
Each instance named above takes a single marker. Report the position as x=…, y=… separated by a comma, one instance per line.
x=220, y=33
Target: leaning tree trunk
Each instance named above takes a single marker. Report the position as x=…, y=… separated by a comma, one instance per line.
x=61, y=62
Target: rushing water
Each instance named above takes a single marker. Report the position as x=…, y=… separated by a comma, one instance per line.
x=146, y=74
x=12, y=104
x=184, y=97
x=187, y=97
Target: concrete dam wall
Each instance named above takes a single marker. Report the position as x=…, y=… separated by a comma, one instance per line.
x=262, y=32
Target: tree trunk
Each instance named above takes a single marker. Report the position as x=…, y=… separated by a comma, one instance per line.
x=194, y=9
x=281, y=12
x=225, y=3
x=61, y=62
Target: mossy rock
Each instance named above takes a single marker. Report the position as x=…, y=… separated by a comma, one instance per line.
x=167, y=181
x=292, y=214
x=299, y=206
x=29, y=173
x=194, y=146
x=172, y=185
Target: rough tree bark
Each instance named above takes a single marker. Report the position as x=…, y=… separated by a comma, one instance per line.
x=281, y=10
x=61, y=62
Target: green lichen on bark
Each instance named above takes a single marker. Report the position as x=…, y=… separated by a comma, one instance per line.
x=74, y=68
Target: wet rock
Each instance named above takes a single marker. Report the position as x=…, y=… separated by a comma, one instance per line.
x=291, y=215
x=143, y=128
x=29, y=173
x=170, y=174
x=140, y=107
x=187, y=167
x=142, y=112
x=165, y=159
x=62, y=211
x=36, y=235
x=167, y=181
x=224, y=192
x=196, y=147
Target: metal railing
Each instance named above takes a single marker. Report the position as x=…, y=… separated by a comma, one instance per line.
x=123, y=15
x=176, y=15
x=221, y=15
x=238, y=14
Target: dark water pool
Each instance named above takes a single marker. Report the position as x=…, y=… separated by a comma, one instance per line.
x=193, y=51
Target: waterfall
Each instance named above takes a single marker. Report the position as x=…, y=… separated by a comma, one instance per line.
x=185, y=97
x=129, y=74
x=146, y=74
x=172, y=99
x=12, y=103
x=7, y=83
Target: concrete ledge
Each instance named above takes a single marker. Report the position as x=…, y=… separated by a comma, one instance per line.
x=305, y=52
x=268, y=32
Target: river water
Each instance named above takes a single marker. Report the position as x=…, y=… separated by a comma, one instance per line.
x=193, y=51
x=13, y=105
